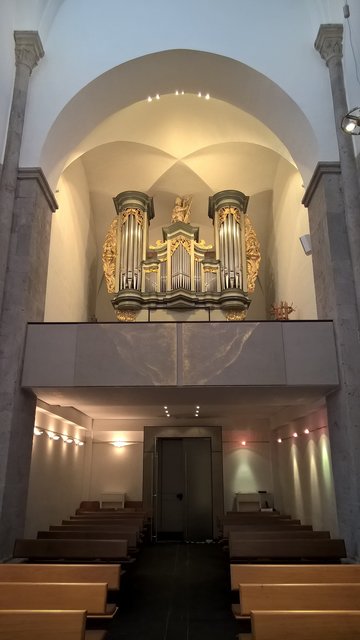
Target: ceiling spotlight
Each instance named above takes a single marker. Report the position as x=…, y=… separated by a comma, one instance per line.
x=279, y=440
x=165, y=407
x=176, y=92
x=351, y=122
x=149, y=99
x=207, y=97
x=295, y=435
x=199, y=94
x=306, y=431
x=157, y=97
x=182, y=93
x=198, y=407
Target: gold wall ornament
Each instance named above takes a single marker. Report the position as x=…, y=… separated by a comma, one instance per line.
x=224, y=212
x=126, y=315
x=253, y=256
x=211, y=269
x=131, y=211
x=234, y=315
x=109, y=256
x=175, y=242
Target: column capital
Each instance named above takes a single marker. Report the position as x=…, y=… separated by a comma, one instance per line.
x=329, y=41
x=28, y=48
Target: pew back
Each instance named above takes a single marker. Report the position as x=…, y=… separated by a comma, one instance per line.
x=292, y=573
x=272, y=597
x=71, y=549
x=49, y=595
x=25, y=572
x=328, y=549
x=42, y=625
x=305, y=625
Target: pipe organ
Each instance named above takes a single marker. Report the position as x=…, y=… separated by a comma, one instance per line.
x=180, y=271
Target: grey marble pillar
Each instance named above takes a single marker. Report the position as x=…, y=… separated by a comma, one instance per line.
x=24, y=301
x=335, y=296
x=28, y=51
x=329, y=44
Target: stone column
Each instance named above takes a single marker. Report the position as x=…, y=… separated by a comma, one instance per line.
x=329, y=44
x=24, y=301
x=335, y=296
x=28, y=51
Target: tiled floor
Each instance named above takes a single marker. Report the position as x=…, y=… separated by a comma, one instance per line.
x=176, y=591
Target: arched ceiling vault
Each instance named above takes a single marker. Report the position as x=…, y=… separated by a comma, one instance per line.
x=245, y=106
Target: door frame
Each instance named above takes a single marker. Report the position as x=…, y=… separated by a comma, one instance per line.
x=150, y=465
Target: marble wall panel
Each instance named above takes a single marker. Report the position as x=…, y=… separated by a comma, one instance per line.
x=310, y=354
x=246, y=353
x=128, y=355
x=50, y=355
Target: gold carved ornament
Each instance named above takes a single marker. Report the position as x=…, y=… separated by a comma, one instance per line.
x=159, y=245
x=233, y=315
x=131, y=211
x=127, y=315
x=176, y=242
x=253, y=257
x=224, y=212
x=109, y=256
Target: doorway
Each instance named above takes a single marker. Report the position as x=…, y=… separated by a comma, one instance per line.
x=183, y=497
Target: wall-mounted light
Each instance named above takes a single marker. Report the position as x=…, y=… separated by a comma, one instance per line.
x=295, y=435
x=306, y=431
x=351, y=122
x=243, y=442
x=37, y=431
x=279, y=440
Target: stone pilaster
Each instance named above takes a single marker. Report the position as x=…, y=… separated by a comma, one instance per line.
x=335, y=294
x=329, y=44
x=28, y=51
x=24, y=301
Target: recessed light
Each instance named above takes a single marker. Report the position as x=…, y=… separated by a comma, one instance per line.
x=279, y=439
x=149, y=99
x=306, y=431
x=295, y=435
x=207, y=97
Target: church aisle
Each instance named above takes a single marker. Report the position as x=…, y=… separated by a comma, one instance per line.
x=176, y=592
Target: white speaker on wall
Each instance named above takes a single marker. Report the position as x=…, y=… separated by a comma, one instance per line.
x=306, y=244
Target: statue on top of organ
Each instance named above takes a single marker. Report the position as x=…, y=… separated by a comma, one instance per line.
x=181, y=272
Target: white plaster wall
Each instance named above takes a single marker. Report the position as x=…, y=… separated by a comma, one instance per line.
x=303, y=471
x=286, y=31
x=289, y=271
x=116, y=470
x=55, y=486
x=246, y=469
x=71, y=283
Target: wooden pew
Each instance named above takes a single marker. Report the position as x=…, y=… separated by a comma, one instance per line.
x=26, y=572
x=71, y=549
x=305, y=625
x=265, y=527
x=277, y=534
x=86, y=534
x=288, y=597
x=57, y=595
x=46, y=625
x=325, y=549
x=292, y=573
x=103, y=522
